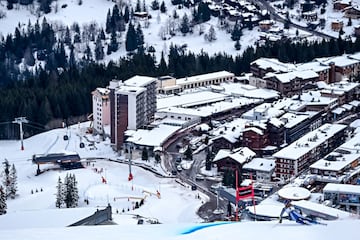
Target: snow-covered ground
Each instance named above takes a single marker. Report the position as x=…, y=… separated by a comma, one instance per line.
x=34, y=215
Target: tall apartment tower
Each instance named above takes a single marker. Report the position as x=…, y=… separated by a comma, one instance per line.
x=101, y=109
x=132, y=105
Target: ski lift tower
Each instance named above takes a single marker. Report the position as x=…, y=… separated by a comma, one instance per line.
x=130, y=158
x=20, y=121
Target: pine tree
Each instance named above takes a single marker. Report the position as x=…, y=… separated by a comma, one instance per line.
x=162, y=7
x=9, y=4
x=13, y=182
x=74, y=191
x=184, y=25
x=155, y=5
x=99, y=49
x=88, y=53
x=3, y=205
x=137, y=7
x=127, y=14
x=67, y=37
x=237, y=45
x=59, y=194
x=211, y=34
x=109, y=24
x=139, y=36
x=188, y=153
x=6, y=177
x=144, y=154
x=113, y=42
x=204, y=12
x=236, y=32
x=131, y=39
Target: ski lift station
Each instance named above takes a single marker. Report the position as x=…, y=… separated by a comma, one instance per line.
x=64, y=160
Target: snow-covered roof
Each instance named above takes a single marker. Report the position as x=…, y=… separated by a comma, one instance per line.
x=195, y=98
x=103, y=91
x=184, y=111
x=246, y=90
x=309, y=141
x=355, y=103
x=293, y=119
x=352, y=144
x=130, y=90
x=276, y=122
x=341, y=162
x=339, y=110
x=254, y=129
x=204, y=77
x=340, y=61
x=260, y=164
x=343, y=86
x=289, y=76
x=342, y=188
x=240, y=155
x=294, y=193
x=316, y=207
x=154, y=137
x=315, y=66
x=274, y=64
x=140, y=81
x=315, y=98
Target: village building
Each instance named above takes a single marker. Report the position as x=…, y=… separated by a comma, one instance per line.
x=233, y=160
x=346, y=196
x=168, y=85
x=298, y=156
x=261, y=169
x=132, y=105
x=337, y=25
x=352, y=12
x=341, y=4
x=101, y=109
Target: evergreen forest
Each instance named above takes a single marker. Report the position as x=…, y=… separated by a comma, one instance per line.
x=43, y=78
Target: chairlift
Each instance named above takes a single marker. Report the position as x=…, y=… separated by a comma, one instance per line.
x=82, y=145
x=66, y=137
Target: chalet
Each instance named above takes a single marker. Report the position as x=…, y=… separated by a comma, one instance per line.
x=265, y=25
x=261, y=169
x=255, y=138
x=235, y=159
x=337, y=25
x=225, y=142
x=307, y=6
x=341, y=4
x=309, y=16
x=261, y=66
x=357, y=31
x=290, y=83
x=341, y=66
x=352, y=12
x=323, y=70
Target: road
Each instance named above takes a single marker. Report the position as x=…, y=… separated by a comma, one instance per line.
x=265, y=5
x=207, y=210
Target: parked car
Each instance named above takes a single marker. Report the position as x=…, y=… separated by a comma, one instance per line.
x=179, y=168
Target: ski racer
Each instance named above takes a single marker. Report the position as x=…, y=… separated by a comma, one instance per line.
x=294, y=214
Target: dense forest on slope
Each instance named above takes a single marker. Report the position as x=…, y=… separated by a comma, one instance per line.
x=45, y=79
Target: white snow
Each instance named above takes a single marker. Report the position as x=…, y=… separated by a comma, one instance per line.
x=34, y=216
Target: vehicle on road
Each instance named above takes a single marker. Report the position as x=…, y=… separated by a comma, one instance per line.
x=179, y=168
